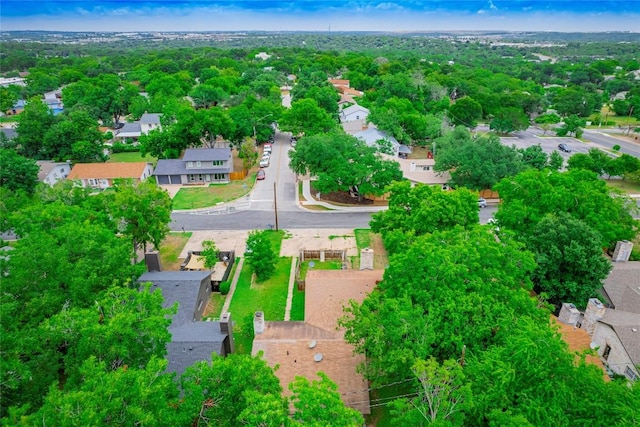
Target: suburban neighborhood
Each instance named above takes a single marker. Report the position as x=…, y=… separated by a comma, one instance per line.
x=382, y=233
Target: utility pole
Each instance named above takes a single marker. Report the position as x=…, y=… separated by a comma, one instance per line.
x=275, y=204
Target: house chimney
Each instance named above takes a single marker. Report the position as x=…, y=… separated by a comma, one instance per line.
x=366, y=259
x=226, y=327
x=569, y=314
x=152, y=261
x=258, y=323
x=622, y=251
x=594, y=312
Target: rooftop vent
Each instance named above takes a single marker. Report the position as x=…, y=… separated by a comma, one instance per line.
x=317, y=357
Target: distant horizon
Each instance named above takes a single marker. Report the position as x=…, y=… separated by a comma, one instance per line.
x=407, y=16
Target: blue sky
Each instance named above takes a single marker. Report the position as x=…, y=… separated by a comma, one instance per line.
x=315, y=15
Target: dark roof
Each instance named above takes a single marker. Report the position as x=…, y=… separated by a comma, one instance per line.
x=179, y=167
x=404, y=149
x=191, y=340
x=130, y=128
x=206, y=154
x=150, y=118
x=10, y=133
x=622, y=286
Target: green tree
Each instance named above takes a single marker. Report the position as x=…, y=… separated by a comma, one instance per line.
x=476, y=163
x=141, y=211
x=8, y=99
x=75, y=137
x=443, y=396
x=596, y=160
x=260, y=254
x=622, y=166
x=422, y=209
x=307, y=117
x=532, y=194
x=205, y=96
x=342, y=163
x=465, y=112
x=547, y=121
x=509, y=119
x=122, y=397
x=555, y=161
x=219, y=393
x=248, y=154
x=209, y=253
x=534, y=157
x=318, y=403
x=432, y=292
x=570, y=264
x=17, y=172
x=571, y=125
x=124, y=328
x=33, y=124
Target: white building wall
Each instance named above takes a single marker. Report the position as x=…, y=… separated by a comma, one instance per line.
x=618, y=359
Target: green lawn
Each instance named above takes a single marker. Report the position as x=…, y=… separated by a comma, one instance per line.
x=363, y=237
x=626, y=186
x=269, y=296
x=297, y=305
x=206, y=196
x=131, y=157
x=170, y=250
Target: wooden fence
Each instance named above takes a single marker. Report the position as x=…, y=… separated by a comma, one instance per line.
x=323, y=254
x=238, y=176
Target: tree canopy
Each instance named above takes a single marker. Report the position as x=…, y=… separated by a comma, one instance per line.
x=342, y=162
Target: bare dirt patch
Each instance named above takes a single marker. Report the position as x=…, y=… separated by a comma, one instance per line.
x=341, y=197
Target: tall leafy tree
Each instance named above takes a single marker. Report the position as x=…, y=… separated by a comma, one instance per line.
x=570, y=264
x=141, y=211
x=443, y=396
x=465, y=112
x=341, y=163
x=432, y=292
x=307, y=117
x=33, y=124
x=318, y=403
x=17, y=172
x=123, y=397
x=219, y=393
x=476, y=163
x=260, y=254
x=532, y=194
x=422, y=209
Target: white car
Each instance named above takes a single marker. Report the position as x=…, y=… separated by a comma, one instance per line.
x=482, y=202
x=264, y=162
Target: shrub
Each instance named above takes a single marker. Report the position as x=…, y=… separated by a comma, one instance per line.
x=124, y=148
x=224, y=287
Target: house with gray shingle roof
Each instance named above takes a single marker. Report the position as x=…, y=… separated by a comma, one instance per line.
x=192, y=339
x=134, y=130
x=372, y=135
x=615, y=323
x=197, y=166
x=52, y=172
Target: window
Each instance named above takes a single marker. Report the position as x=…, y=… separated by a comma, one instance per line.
x=198, y=164
x=192, y=178
x=219, y=176
x=628, y=372
x=189, y=164
x=217, y=163
x=605, y=353
x=199, y=177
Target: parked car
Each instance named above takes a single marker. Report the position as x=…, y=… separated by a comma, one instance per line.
x=261, y=175
x=482, y=202
x=267, y=148
x=264, y=163
x=564, y=147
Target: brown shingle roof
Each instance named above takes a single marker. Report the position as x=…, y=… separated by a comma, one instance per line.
x=287, y=344
x=107, y=170
x=578, y=341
